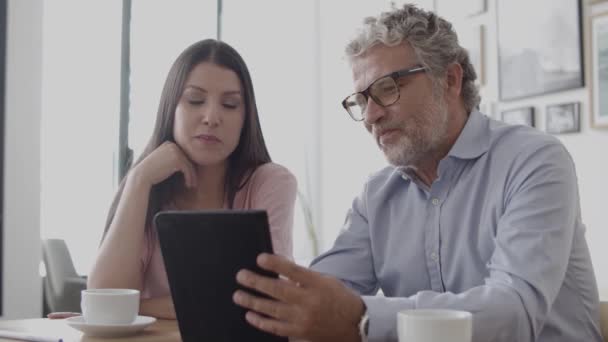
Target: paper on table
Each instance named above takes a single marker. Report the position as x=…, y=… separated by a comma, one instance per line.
x=27, y=337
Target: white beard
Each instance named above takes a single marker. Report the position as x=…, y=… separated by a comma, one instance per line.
x=415, y=143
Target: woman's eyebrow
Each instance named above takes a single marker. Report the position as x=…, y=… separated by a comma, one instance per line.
x=196, y=87
x=227, y=92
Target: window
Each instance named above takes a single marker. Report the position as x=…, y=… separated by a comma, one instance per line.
x=81, y=103
x=281, y=54
x=160, y=31
x=80, y=107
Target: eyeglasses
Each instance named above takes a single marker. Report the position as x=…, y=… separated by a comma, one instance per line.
x=384, y=91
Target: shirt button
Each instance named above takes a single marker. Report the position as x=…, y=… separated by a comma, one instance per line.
x=435, y=201
x=434, y=256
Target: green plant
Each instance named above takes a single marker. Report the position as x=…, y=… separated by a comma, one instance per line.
x=309, y=220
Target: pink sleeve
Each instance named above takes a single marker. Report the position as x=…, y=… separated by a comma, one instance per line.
x=274, y=190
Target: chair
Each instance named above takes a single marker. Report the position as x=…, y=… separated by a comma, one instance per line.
x=62, y=285
x=604, y=319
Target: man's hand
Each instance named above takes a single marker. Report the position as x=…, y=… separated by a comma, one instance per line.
x=305, y=304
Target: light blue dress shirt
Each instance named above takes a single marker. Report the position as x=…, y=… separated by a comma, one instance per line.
x=498, y=233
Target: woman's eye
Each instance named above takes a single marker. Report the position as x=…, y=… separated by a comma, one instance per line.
x=196, y=102
x=231, y=105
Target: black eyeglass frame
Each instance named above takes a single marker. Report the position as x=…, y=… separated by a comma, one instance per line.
x=395, y=75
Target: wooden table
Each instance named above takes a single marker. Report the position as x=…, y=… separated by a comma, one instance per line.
x=161, y=331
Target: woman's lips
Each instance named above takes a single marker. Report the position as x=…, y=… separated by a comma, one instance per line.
x=208, y=138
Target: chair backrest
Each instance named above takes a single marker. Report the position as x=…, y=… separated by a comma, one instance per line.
x=604, y=319
x=58, y=262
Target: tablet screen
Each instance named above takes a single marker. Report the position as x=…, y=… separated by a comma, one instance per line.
x=203, y=251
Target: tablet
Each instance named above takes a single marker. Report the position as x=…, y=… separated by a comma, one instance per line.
x=203, y=251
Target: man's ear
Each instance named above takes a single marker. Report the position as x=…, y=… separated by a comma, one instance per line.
x=454, y=79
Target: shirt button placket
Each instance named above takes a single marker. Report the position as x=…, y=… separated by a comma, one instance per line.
x=436, y=282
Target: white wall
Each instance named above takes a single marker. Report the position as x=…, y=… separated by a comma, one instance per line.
x=281, y=52
x=22, y=294
x=349, y=154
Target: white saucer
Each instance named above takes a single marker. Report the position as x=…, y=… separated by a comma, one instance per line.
x=110, y=330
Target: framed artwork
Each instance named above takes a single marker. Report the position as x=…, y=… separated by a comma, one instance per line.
x=599, y=70
x=519, y=116
x=539, y=49
x=563, y=118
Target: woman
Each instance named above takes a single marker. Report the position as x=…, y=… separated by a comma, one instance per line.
x=206, y=152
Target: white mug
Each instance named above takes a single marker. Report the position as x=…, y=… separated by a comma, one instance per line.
x=427, y=325
x=109, y=306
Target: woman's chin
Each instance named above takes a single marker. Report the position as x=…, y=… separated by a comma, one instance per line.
x=208, y=161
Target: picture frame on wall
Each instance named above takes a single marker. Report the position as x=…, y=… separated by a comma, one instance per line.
x=563, y=118
x=599, y=70
x=519, y=116
x=540, y=49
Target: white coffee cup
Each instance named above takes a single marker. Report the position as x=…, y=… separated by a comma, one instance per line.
x=427, y=325
x=109, y=306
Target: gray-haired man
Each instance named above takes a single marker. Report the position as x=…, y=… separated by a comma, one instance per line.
x=472, y=215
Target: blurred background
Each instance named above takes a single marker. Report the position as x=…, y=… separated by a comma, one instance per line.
x=83, y=80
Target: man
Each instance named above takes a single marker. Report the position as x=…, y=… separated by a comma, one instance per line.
x=472, y=215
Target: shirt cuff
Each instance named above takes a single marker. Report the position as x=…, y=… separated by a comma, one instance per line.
x=382, y=312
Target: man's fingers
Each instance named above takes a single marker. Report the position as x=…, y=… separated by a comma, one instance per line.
x=268, y=307
x=284, y=291
x=272, y=326
x=287, y=268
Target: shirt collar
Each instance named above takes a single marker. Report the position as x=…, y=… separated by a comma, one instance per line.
x=474, y=140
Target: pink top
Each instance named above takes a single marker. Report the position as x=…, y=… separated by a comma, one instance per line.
x=272, y=188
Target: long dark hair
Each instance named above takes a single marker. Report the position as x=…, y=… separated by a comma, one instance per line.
x=250, y=152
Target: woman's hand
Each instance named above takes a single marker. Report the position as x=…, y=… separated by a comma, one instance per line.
x=163, y=162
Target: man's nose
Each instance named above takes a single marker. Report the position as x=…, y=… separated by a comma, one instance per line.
x=373, y=112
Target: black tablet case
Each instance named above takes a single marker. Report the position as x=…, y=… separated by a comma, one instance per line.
x=203, y=251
